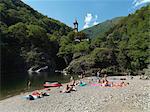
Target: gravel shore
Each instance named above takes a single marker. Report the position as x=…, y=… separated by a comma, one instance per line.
x=133, y=98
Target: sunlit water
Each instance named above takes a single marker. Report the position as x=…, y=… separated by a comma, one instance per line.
x=17, y=83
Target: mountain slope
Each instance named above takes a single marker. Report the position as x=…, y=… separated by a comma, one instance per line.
x=14, y=11
x=101, y=28
x=28, y=38
x=131, y=36
x=124, y=47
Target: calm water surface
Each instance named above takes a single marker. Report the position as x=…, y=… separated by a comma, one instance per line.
x=17, y=83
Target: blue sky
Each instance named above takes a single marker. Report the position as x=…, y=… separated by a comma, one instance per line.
x=87, y=12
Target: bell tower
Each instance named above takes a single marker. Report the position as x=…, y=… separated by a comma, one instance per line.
x=75, y=25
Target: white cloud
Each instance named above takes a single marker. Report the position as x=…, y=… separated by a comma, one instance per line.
x=90, y=20
x=95, y=23
x=87, y=20
x=85, y=26
x=96, y=16
x=140, y=2
x=95, y=20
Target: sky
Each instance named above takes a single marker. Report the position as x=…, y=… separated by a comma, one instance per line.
x=87, y=12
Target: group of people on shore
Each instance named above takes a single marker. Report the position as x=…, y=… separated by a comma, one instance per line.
x=105, y=83
x=71, y=86
x=102, y=81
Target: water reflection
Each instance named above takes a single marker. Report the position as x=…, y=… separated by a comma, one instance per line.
x=18, y=83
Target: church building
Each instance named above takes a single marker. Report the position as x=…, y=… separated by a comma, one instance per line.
x=75, y=25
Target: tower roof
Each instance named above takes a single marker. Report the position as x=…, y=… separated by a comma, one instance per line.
x=75, y=22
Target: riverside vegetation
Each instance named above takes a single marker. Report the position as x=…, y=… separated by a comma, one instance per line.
x=30, y=39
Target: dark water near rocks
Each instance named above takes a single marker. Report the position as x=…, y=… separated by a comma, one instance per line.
x=17, y=83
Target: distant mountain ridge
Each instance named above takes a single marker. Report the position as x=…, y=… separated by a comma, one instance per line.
x=123, y=48
x=101, y=28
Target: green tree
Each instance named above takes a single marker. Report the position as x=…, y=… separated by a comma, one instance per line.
x=18, y=31
x=37, y=35
x=96, y=42
x=82, y=47
x=103, y=57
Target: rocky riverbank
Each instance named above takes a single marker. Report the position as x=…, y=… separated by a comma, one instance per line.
x=133, y=98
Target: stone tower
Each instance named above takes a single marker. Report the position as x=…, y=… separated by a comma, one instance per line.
x=75, y=25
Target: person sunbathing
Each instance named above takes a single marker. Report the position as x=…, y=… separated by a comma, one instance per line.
x=29, y=97
x=36, y=94
x=122, y=84
x=106, y=83
x=44, y=94
x=72, y=83
x=67, y=89
x=99, y=81
x=81, y=83
x=103, y=80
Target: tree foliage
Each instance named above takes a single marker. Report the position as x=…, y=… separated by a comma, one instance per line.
x=123, y=47
x=28, y=38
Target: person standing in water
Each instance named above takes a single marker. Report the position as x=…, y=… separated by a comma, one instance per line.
x=29, y=84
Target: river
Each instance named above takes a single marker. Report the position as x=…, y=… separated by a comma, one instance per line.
x=17, y=83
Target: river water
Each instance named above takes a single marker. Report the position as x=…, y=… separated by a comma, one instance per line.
x=17, y=83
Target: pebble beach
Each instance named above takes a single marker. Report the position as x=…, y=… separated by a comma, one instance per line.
x=134, y=97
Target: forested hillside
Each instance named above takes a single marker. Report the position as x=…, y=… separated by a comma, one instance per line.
x=123, y=48
x=28, y=38
x=101, y=28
